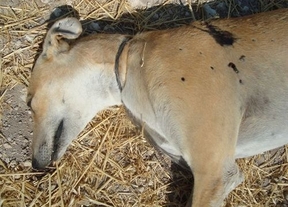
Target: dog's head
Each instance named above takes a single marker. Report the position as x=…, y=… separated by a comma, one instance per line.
x=66, y=90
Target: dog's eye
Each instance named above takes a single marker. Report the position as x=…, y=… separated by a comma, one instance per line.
x=29, y=103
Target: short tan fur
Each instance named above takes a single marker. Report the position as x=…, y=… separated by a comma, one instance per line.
x=208, y=92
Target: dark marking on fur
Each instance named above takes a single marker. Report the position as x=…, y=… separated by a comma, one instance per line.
x=253, y=40
x=242, y=58
x=222, y=37
x=233, y=66
x=256, y=105
x=180, y=48
x=183, y=79
x=211, y=67
x=200, y=53
x=266, y=100
x=241, y=109
x=240, y=81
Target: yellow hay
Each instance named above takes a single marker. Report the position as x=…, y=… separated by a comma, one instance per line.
x=111, y=164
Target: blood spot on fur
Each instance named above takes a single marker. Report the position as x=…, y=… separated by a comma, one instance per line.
x=242, y=58
x=233, y=66
x=221, y=37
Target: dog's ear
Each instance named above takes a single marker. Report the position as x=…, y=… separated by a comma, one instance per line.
x=54, y=43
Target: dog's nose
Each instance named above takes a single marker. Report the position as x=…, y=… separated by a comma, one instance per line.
x=37, y=165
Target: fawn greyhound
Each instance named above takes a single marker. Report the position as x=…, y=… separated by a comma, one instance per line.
x=207, y=93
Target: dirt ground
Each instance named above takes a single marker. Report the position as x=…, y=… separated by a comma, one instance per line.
x=16, y=120
x=16, y=128
x=20, y=38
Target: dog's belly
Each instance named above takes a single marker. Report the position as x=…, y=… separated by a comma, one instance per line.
x=260, y=134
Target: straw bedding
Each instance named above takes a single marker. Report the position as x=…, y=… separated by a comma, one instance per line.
x=111, y=164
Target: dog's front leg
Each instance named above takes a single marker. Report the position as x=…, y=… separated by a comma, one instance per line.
x=210, y=155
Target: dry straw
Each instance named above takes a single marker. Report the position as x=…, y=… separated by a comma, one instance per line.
x=111, y=164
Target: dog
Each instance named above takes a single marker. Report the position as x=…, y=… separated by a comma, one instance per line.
x=207, y=93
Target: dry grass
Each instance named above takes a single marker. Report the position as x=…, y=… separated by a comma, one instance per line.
x=110, y=164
